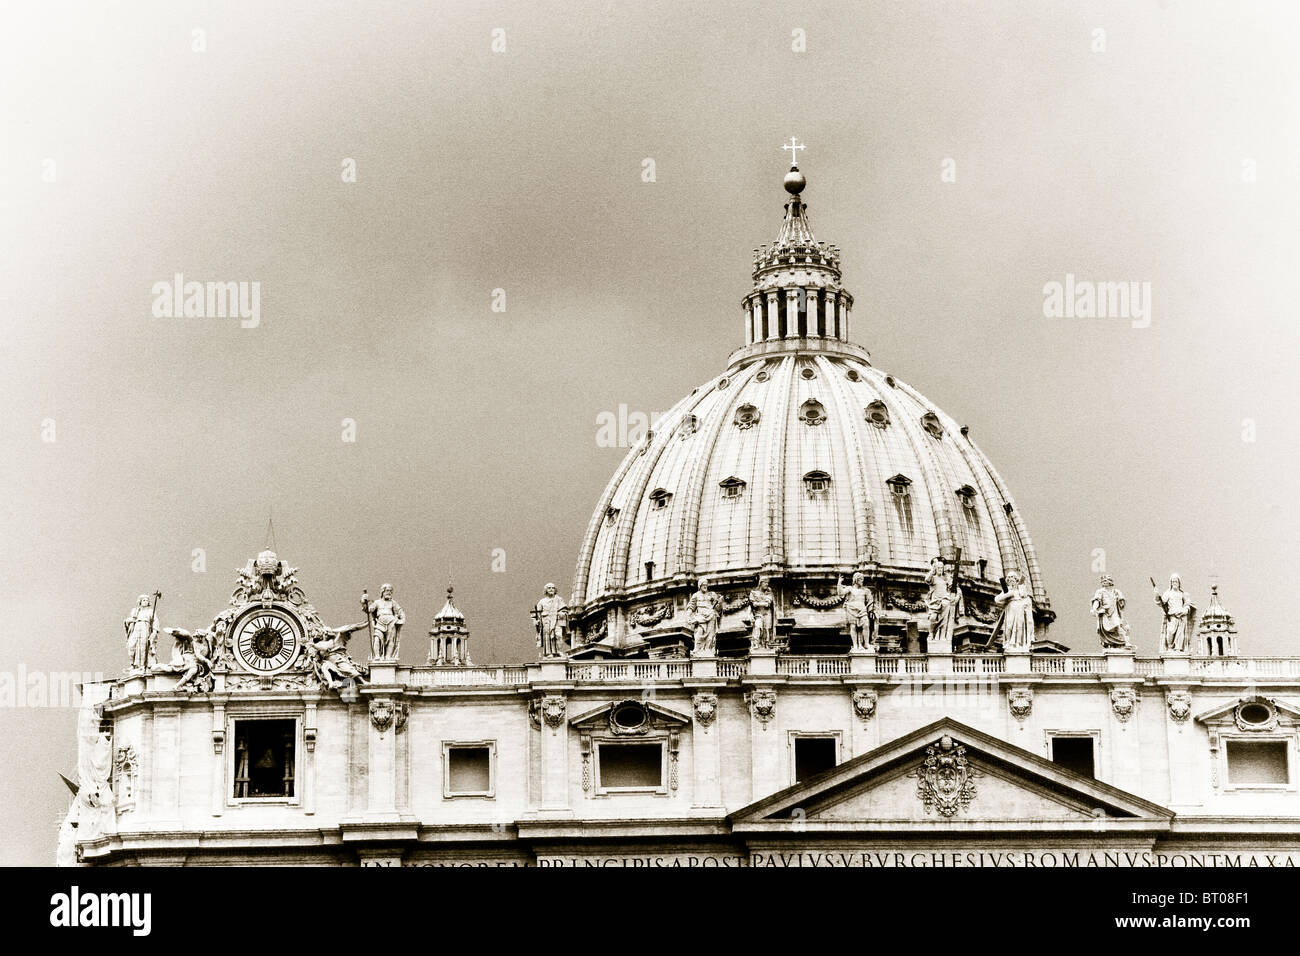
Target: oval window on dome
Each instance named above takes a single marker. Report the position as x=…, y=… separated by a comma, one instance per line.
x=732, y=487
x=852, y=375
x=812, y=412
x=723, y=382
x=930, y=422
x=762, y=376
x=746, y=416
x=807, y=372
x=877, y=414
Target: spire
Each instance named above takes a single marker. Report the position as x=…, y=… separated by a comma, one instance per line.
x=797, y=295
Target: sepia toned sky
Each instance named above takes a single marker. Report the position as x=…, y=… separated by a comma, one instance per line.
x=1169, y=156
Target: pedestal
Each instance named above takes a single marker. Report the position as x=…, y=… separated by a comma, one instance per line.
x=862, y=660
x=1119, y=660
x=1175, y=664
x=1017, y=660
x=704, y=666
x=762, y=661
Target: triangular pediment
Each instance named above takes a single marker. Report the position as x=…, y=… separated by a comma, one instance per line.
x=949, y=775
x=629, y=716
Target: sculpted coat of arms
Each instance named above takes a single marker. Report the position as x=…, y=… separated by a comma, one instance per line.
x=945, y=780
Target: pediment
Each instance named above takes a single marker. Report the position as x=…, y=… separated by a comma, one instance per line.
x=1229, y=713
x=629, y=717
x=948, y=775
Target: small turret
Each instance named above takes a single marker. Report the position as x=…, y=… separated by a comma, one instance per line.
x=449, y=637
x=1217, y=632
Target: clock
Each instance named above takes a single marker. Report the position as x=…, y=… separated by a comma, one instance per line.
x=267, y=640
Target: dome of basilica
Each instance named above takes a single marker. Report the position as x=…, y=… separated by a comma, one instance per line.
x=803, y=462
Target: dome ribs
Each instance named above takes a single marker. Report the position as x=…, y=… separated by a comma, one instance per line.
x=1021, y=532
x=693, y=493
x=774, y=555
x=924, y=451
x=863, y=510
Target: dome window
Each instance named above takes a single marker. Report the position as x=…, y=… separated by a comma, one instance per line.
x=812, y=412
x=900, y=491
x=930, y=422
x=724, y=382
x=659, y=499
x=818, y=483
x=611, y=514
x=747, y=416
x=967, y=495
x=852, y=375
x=806, y=372
x=877, y=414
x=690, y=424
x=732, y=487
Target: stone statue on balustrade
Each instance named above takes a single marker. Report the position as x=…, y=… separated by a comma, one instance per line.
x=762, y=607
x=944, y=603
x=704, y=613
x=551, y=621
x=191, y=658
x=1015, y=623
x=1108, y=608
x=386, y=619
x=860, y=612
x=1180, y=616
x=142, y=633
x=327, y=654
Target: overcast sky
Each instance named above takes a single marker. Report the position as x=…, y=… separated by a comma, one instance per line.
x=1168, y=157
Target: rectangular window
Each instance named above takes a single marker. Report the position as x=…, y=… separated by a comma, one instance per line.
x=1257, y=763
x=265, y=755
x=814, y=755
x=638, y=766
x=1076, y=754
x=469, y=770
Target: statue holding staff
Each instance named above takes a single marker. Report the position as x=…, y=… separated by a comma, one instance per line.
x=1180, y=616
x=142, y=632
x=386, y=619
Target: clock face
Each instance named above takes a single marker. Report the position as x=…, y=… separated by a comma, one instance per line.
x=267, y=640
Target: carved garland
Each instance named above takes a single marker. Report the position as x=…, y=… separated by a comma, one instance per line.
x=649, y=616
x=805, y=599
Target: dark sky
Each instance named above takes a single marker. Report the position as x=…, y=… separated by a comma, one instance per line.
x=522, y=171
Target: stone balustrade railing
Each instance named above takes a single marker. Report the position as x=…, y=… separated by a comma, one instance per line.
x=832, y=666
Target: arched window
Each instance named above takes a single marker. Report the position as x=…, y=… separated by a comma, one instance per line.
x=659, y=499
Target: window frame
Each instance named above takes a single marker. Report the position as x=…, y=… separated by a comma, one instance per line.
x=1287, y=739
x=793, y=736
x=232, y=749
x=1094, y=735
x=598, y=743
x=491, y=747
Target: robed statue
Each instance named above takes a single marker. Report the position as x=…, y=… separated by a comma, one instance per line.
x=142, y=632
x=1180, y=616
x=1015, y=623
x=1108, y=608
x=704, y=612
x=762, y=607
x=551, y=620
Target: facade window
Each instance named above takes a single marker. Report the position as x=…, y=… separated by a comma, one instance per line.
x=1258, y=763
x=469, y=769
x=265, y=758
x=1077, y=754
x=630, y=766
x=732, y=487
x=659, y=499
x=813, y=754
x=900, y=492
